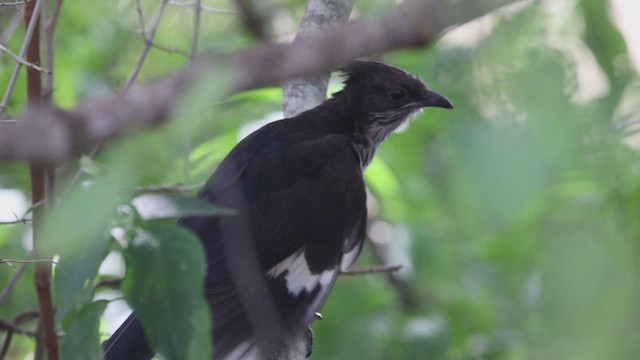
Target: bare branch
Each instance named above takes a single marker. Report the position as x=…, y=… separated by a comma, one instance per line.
x=68, y=133
x=10, y=26
x=25, y=261
x=16, y=221
x=203, y=8
x=14, y=279
x=373, y=270
x=405, y=293
x=13, y=3
x=168, y=49
x=23, y=61
x=148, y=41
x=20, y=319
x=14, y=328
x=197, y=11
x=49, y=30
x=23, y=51
x=309, y=91
x=9, y=327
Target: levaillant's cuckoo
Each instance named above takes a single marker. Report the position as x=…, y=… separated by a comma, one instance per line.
x=299, y=195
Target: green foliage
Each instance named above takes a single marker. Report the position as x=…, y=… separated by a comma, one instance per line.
x=82, y=338
x=166, y=266
x=77, y=232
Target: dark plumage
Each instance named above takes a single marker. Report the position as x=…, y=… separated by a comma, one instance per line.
x=300, y=201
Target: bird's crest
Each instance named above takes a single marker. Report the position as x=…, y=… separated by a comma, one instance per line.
x=357, y=71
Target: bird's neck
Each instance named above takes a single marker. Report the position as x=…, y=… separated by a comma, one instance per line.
x=339, y=115
x=367, y=142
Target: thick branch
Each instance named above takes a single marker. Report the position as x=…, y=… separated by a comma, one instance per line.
x=42, y=276
x=307, y=92
x=67, y=133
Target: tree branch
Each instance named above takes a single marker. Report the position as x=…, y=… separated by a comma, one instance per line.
x=39, y=173
x=413, y=24
x=306, y=92
x=148, y=40
x=12, y=282
x=31, y=32
x=380, y=269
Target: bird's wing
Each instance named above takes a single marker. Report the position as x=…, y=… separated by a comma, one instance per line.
x=271, y=266
x=128, y=342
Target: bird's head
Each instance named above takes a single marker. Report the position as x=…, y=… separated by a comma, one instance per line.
x=386, y=97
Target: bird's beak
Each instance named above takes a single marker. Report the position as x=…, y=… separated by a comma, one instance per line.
x=433, y=99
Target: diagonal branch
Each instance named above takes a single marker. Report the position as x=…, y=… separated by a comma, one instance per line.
x=148, y=40
x=23, y=61
x=414, y=24
x=306, y=92
x=31, y=29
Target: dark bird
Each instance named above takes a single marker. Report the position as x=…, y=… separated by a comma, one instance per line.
x=298, y=191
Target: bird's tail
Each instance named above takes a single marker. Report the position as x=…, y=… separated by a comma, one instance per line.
x=128, y=342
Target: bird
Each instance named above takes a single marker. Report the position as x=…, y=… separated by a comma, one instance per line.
x=299, y=196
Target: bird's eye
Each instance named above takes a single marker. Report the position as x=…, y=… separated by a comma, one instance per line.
x=397, y=94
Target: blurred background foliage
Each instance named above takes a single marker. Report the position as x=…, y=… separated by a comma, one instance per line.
x=516, y=216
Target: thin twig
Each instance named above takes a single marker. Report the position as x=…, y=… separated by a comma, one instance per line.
x=373, y=270
x=14, y=222
x=403, y=290
x=8, y=326
x=53, y=20
x=21, y=319
x=49, y=31
x=14, y=327
x=168, y=49
x=9, y=27
x=79, y=173
x=148, y=41
x=23, y=61
x=197, y=11
x=168, y=188
x=13, y=3
x=18, y=220
x=26, y=316
x=25, y=261
x=143, y=27
x=203, y=8
x=7, y=343
x=39, y=351
x=12, y=282
x=23, y=52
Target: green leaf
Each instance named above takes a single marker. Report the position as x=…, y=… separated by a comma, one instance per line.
x=272, y=94
x=77, y=232
x=163, y=283
x=82, y=339
x=75, y=274
x=161, y=206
